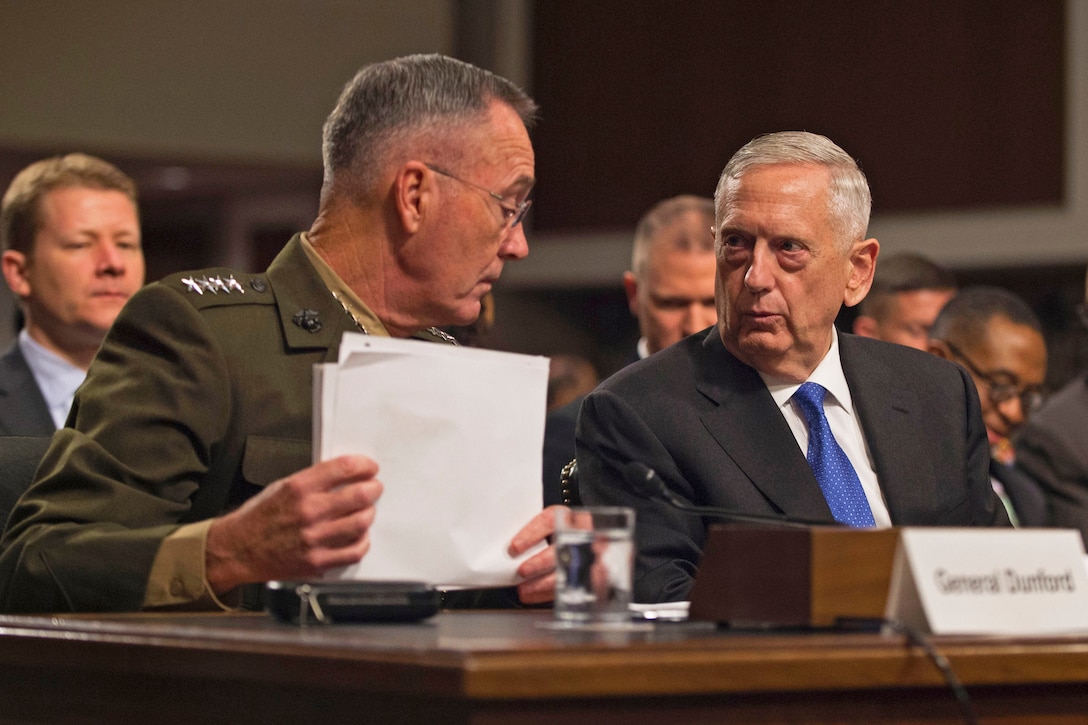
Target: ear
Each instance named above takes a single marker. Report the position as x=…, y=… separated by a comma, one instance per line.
x=15, y=267
x=630, y=288
x=865, y=326
x=940, y=349
x=414, y=194
x=862, y=260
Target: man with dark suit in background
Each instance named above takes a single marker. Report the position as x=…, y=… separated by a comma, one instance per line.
x=70, y=236
x=670, y=291
x=1052, y=448
x=907, y=294
x=999, y=340
x=772, y=411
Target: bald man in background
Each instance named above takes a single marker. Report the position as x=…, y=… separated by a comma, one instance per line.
x=670, y=290
x=907, y=294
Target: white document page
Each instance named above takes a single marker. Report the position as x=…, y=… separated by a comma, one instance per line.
x=457, y=434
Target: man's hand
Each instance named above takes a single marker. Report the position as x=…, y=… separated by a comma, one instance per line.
x=298, y=527
x=539, y=569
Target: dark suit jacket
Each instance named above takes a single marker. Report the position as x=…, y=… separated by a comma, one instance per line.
x=1053, y=449
x=23, y=411
x=558, y=448
x=1028, y=501
x=709, y=427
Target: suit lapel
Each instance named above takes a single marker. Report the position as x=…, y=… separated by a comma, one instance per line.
x=751, y=430
x=22, y=407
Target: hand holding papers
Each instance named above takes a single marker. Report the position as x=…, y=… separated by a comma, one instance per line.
x=457, y=436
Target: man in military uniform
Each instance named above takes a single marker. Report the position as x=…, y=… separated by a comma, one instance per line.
x=185, y=478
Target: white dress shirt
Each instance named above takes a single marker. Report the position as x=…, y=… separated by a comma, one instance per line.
x=57, y=378
x=839, y=409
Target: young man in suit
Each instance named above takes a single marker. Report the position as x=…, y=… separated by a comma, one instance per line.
x=70, y=236
x=771, y=411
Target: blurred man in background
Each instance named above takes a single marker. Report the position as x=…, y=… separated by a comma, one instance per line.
x=670, y=286
x=1053, y=449
x=670, y=290
x=908, y=292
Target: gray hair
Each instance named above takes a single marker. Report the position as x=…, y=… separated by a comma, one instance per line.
x=850, y=201
x=661, y=217
x=387, y=101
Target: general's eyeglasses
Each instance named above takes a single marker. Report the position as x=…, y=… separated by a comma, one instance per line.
x=512, y=215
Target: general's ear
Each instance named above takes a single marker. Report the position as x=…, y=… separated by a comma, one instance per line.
x=862, y=268
x=15, y=268
x=413, y=189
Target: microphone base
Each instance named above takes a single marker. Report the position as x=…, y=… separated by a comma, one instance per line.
x=790, y=577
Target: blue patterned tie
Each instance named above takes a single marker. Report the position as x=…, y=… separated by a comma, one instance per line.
x=837, y=478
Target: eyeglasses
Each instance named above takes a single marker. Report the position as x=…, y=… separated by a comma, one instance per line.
x=1031, y=399
x=511, y=215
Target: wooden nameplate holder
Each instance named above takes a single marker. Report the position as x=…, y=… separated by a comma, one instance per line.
x=775, y=576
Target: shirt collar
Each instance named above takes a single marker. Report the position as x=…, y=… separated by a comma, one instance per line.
x=57, y=378
x=828, y=373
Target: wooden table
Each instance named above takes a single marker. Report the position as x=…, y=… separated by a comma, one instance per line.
x=502, y=667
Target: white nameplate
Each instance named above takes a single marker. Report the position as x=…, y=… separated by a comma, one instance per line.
x=990, y=581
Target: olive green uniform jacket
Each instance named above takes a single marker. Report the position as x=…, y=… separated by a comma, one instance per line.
x=195, y=401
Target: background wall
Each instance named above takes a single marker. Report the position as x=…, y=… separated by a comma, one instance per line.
x=970, y=117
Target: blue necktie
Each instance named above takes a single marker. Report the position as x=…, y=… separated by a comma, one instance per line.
x=837, y=478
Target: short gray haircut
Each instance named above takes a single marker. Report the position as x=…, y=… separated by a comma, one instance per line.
x=390, y=100
x=850, y=201
x=661, y=217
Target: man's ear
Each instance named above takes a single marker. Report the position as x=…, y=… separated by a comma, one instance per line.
x=862, y=268
x=940, y=349
x=414, y=194
x=630, y=288
x=865, y=326
x=15, y=267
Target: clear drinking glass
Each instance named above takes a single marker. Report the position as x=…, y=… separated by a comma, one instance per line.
x=595, y=552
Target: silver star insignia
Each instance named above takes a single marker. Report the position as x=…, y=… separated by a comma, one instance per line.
x=208, y=285
x=192, y=284
x=232, y=283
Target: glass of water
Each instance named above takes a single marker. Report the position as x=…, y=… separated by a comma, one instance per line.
x=594, y=548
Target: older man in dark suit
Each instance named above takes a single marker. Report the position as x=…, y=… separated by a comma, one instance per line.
x=772, y=411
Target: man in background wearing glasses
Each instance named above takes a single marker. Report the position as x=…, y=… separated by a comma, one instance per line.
x=186, y=479
x=1053, y=449
x=996, y=337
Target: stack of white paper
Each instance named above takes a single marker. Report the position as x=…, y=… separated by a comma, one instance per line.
x=457, y=433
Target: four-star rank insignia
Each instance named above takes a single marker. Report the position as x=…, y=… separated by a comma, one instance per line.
x=215, y=285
